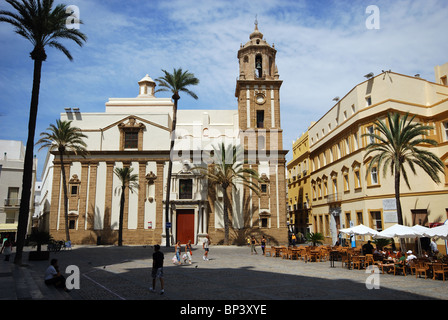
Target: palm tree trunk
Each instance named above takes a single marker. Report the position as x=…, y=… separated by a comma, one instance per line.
x=225, y=216
x=170, y=169
x=397, y=196
x=27, y=178
x=64, y=183
x=120, y=222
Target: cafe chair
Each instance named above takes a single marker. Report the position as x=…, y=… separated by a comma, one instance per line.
x=421, y=267
x=356, y=261
x=412, y=266
x=400, y=267
x=369, y=260
x=439, y=268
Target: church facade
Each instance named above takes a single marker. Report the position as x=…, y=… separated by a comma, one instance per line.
x=136, y=132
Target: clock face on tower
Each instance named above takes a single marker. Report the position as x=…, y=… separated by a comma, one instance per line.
x=260, y=98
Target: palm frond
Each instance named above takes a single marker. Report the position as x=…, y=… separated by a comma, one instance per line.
x=63, y=136
x=397, y=145
x=42, y=25
x=177, y=82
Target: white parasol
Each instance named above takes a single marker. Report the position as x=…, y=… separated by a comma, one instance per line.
x=360, y=230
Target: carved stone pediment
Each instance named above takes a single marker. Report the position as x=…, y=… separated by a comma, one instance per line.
x=131, y=124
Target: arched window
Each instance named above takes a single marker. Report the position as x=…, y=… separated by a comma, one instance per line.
x=259, y=66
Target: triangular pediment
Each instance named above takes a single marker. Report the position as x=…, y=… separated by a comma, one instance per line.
x=134, y=121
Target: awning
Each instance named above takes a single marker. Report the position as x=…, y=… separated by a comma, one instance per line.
x=8, y=227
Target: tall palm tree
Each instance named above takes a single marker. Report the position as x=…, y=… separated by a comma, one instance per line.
x=175, y=83
x=128, y=180
x=39, y=23
x=227, y=171
x=396, y=145
x=64, y=138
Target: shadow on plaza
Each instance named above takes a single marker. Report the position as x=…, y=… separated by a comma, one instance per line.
x=201, y=282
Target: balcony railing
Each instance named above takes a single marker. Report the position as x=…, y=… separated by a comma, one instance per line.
x=334, y=197
x=12, y=202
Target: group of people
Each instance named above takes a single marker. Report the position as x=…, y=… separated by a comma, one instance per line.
x=158, y=257
x=177, y=259
x=252, y=241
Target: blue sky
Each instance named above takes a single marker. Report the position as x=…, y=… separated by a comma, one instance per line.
x=324, y=50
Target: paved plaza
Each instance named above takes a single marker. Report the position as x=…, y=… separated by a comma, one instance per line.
x=231, y=274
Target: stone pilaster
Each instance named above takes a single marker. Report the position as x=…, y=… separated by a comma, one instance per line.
x=55, y=197
x=141, y=195
x=83, y=196
x=92, y=194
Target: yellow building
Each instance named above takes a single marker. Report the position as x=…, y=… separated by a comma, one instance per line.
x=299, y=186
x=342, y=192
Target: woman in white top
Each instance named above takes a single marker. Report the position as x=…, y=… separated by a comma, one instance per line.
x=205, y=246
x=53, y=276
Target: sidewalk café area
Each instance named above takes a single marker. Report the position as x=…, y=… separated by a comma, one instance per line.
x=386, y=258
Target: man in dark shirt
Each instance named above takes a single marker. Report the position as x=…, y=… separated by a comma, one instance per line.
x=157, y=268
x=367, y=248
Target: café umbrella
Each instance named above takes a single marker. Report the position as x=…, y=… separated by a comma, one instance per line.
x=440, y=231
x=423, y=231
x=360, y=230
x=398, y=231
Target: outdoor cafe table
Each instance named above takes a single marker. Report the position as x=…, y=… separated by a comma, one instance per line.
x=314, y=254
x=278, y=250
x=334, y=255
x=295, y=252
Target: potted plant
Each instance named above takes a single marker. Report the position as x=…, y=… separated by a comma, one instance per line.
x=38, y=238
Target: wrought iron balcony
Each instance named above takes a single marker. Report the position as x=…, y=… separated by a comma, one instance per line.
x=334, y=197
x=12, y=202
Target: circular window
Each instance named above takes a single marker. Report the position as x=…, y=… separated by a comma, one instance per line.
x=260, y=98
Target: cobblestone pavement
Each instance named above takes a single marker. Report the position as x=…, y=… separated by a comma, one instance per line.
x=231, y=274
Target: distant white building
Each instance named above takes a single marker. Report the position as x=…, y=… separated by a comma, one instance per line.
x=12, y=156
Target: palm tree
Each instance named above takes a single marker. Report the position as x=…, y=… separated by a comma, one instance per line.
x=64, y=138
x=36, y=21
x=396, y=145
x=227, y=171
x=176, y=82
x=315, y=238
x=128, y=180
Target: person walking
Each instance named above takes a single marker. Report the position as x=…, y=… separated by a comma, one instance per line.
x=206, y=247
x=263, y=245
x=253, y=243
x=157, y=269
x=7, y=249
x=188, y=251
x=293, y=239
x=178, y=249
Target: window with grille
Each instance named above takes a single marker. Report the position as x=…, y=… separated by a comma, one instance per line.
x=185, y=189
x=131, y=140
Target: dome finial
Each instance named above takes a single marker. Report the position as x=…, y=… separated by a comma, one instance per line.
x=256, y=33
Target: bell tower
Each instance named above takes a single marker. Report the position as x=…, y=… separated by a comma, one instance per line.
x=258, y=91
x=260, y=134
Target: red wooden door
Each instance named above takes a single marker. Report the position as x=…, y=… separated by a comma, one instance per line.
x=185, y=225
